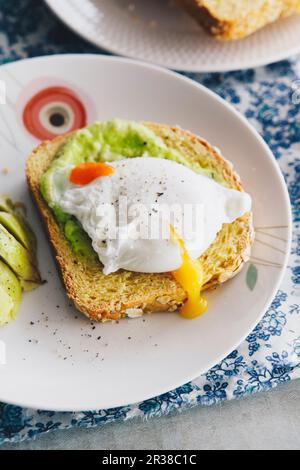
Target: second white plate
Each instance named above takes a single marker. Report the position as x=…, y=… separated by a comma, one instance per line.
x=159, y=32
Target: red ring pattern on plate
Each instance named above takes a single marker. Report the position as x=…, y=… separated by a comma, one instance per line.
x=54, y=111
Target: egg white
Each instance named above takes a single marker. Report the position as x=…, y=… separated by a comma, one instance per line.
x=109, y=210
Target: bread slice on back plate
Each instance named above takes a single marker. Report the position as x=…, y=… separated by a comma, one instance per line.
x=235, y=19
x=125, y=293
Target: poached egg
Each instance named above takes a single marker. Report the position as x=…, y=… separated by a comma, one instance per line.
x=127, y=213
x=152, y=215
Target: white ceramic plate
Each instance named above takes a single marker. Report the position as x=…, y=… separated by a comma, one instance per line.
x=159, y=32
x=58, y=360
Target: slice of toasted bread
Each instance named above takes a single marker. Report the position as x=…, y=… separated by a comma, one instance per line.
x=124, y=293
x=236, y=19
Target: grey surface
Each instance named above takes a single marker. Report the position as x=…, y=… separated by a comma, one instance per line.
x=265, y=421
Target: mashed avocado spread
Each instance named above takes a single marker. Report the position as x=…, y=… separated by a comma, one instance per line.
x=103, y=141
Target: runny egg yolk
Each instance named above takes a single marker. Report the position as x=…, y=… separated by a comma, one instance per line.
x=87, y=172
x=190, y=277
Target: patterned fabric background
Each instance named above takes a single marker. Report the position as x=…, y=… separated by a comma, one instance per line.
x=270, y=356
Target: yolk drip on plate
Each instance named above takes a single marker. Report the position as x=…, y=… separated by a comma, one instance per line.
x=190, y=277
x=87, y=172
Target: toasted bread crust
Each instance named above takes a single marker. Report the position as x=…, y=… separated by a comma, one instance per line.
x=103, y=298
x=242, y=25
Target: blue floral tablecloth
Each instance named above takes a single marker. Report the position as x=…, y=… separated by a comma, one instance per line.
x=270, y=98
